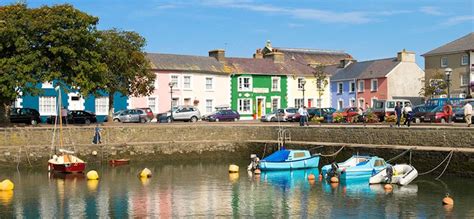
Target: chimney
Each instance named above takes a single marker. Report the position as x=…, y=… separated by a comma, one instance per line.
x=277, y=57
x=406, y=56
x=218, y=54
x=345, y=62
x=258, y=54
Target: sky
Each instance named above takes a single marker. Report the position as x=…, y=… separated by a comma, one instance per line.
x=366, y=29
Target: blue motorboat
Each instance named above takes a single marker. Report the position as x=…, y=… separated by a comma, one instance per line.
x=355, y=168
x=289, y=160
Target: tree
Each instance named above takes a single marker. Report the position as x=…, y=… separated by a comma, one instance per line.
x=321, y=82
x=435, y=86
x=129, y=71
x=46, y=44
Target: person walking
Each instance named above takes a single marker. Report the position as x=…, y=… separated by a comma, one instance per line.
x=64, y=113
x=305, y=116
x=468, y=113
x=301, y=112
x=407, y=112
x=398, y=113
x=97, y=135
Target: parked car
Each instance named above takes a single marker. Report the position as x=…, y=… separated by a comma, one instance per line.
x=224, y=115
x=130, y=115
x=25, y=115
x=281, y=115
x=149, y=114
x=437, y=115
x=349, y=113
x=419, y=113
x=459, y=113
x=76, y=117
x=181, y=113
x=435, y=102
x=383, y=108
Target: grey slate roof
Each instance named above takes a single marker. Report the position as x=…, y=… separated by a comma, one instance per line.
x=364, y=70
x=313, y=56
x=464, y=43
x=172, y=62
x=267, y=67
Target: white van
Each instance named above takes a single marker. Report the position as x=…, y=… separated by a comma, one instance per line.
x=383, y=108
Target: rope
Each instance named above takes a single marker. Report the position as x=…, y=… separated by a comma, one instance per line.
x=264, y=150
x=333, y=154
x=315, y=148
x=427, y=172
x=398, y=156
x=446, y=167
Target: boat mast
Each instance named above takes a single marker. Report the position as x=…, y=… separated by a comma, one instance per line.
x=60, y=118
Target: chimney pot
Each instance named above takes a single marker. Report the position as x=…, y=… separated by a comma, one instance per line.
x=218, y=54
x=406, y=56
x=277, y=57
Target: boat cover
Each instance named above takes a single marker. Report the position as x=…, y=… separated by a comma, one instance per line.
x=278, y=156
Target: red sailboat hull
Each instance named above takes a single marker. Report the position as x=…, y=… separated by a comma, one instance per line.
x=68, y=167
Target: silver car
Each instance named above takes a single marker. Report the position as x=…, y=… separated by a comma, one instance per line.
x=130, y=115
x=183, y=113
x=281, y=115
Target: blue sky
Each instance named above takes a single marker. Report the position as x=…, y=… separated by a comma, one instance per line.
x=367, y=29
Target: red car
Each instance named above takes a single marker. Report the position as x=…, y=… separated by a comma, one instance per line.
x=438, y=115
x=348, y=113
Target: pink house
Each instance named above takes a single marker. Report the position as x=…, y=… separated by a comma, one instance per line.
x=197, y=80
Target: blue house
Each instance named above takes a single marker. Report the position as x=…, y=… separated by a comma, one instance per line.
x=343, y=84
x=46, y=102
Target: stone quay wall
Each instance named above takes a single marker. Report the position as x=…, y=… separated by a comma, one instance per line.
x=33, y=145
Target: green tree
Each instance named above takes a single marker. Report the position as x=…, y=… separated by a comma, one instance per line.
x=434, y=86
x=321, y=81
x=128, y=68
x=46, y=44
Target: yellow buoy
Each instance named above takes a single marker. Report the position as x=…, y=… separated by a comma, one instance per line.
x=233, y=168
x=334, y=179
x=448, y=200
x=6, y=197
x=145, y=181
x=311, y=177
x=92, y=175
x=145, y=173
x=92, y=185
x=388, y=187
x=257, y=172
x=233, y=177
x=6, y=185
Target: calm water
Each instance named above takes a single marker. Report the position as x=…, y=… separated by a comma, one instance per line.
x=207, y=190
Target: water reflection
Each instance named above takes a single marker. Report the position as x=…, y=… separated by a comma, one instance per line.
x=208, y=190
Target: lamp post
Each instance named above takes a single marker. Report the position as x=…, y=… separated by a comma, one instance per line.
x=303, y=82
x=448, y=72
x=171, y=84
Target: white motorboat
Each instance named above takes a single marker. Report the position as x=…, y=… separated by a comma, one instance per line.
x=402, y=175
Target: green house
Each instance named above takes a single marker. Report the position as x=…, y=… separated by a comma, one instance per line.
x=258, y=86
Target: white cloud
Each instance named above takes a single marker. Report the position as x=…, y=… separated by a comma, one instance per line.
x=458, y=20
x=431, y=10
x=294, y=25
x=166, y=6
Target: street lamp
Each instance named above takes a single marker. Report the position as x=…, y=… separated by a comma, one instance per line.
x=171, y=84
x=448, y=72
x=303, y=82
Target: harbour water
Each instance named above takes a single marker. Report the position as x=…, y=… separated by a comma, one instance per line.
x=208, y=190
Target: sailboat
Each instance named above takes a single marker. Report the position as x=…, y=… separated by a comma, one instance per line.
x=65, y=162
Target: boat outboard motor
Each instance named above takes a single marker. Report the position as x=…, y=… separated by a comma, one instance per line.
x=389, y=171
x=254, y=160
x=333, y=171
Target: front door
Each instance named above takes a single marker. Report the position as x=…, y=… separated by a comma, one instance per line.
x=260, y=107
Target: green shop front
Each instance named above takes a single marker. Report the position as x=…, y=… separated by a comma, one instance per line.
x=255, y=95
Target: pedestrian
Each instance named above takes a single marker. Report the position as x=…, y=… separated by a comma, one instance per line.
x=398, y=113
x=305, y=116
x=97, y=135
x=468, y=113
x=448, y=111
x=64, y=113
x=360, y=115
x=301, y=112
x=407, y=112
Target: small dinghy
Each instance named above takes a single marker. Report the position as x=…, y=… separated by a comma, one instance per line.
x=289, y=160
x=355, y=168
x=401, y=174
x=116, y=162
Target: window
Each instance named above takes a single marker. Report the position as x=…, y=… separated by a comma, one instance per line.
x=373, y=101
x=340, y=104
x=245, y=105
x=298, y=102
x=374, y=85
x=464, y=60
x=360, y=88
x=352, y=103
x=47, y=105
x=300, y=83
x=464, y=80
x=46, y=85
x=175, y=81
x=102, y=105
x=175, y=101
x=187, y=101
x=208, y=106
x=352, y=87
x=339, y=88
x=209, y=84
x=444, y=61
x=275, y=103
x=245, y=83
x=152, y=104
x=319, y=83
x=275, y=83
x=187, y=82
x=361, y=103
